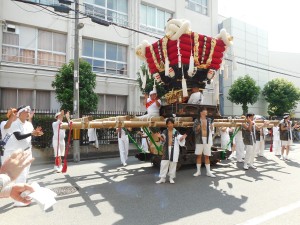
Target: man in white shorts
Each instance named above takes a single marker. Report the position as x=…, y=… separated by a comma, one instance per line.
x=285, y=130
x=203, y=141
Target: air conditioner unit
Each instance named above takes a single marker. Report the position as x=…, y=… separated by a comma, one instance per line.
x=11, y=28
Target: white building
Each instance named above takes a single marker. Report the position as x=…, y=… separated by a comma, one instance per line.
x=250, y=48
x=255, y=59
x=35, y=43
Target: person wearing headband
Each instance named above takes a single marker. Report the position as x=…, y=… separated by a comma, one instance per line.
x=248, y=131
x=152, y=103
x=22, y=131
x=58, y=140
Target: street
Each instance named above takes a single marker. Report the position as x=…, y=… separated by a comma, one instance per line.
x=104, y=192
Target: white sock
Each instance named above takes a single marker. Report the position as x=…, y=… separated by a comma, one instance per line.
x=207, y=168
x=198, y=167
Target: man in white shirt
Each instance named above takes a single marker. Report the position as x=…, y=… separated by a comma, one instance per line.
x=196, y=96
x=22, y=131
x=152, y=103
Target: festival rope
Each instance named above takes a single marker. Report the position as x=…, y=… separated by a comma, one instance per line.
x=133, y=141
x=64, y=169
x=232, y=137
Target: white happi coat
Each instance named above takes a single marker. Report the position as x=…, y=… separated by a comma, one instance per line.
x=176, y=150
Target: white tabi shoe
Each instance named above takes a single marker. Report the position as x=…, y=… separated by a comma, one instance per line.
x=161, y=180
x=246, y=167
x=210, y=174
x=198, y=173
x=172, y=181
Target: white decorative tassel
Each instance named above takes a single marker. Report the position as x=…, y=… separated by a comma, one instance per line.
x=167, y=66
x=143, y=78
x=225, y=72
x=178, y=53
x=154, y=87
x=191, y=66
x=184, y=86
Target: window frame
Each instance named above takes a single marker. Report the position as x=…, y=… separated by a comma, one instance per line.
x=106, y=12
x=105, y=60
x=202, y=6
x=154, y=29
x=35, y=61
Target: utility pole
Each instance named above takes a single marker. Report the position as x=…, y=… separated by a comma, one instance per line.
x=76, y=132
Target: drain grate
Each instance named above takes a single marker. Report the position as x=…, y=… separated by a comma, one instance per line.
x=66, y=190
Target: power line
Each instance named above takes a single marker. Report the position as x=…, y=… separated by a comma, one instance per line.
x=154, y=36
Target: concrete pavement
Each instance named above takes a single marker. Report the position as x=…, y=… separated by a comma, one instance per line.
x=104, y=192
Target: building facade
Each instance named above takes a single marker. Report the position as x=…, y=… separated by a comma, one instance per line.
x=36, y=41
x=251, y=53
x=254, y=59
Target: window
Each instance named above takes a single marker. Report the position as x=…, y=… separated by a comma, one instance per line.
x=13, y=98
x=51, y=50
x=153, y=19
x=32, y=46
x=199, y=6
x=105, y=57
x=112, y=10
x=43, y=100
x=112, y=103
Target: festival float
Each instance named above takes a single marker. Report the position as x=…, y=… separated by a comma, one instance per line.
x=175, y=63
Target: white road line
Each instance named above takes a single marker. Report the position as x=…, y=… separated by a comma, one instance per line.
x=272, y=214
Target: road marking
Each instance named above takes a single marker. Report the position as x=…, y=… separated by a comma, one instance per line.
x=272, y=214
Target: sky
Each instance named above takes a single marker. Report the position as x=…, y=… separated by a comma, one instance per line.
x=281, y=18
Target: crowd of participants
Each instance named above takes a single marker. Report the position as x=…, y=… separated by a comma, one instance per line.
x=248, y=142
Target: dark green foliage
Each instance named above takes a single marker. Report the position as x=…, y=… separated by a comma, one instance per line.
x=281, y=95
x=63, y=85
x=161, y=91
x=244, y=91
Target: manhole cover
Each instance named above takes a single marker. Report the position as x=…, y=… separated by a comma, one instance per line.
x=66, y=190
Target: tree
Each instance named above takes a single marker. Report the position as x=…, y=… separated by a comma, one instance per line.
x=161, y=91
x=63, y=85
x=244, y=91
x=281, y=95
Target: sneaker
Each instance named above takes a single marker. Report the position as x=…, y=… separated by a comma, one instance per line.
x=246, y=167
x=198, y=173
x=210, y=174
x=162, y=180
x=252, y=166
x=172, y=181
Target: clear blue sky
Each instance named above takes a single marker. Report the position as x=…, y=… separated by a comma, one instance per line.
x=280, y=18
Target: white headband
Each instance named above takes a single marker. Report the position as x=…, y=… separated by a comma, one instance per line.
x=23, y=109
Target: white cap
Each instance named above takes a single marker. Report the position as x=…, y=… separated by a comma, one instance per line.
x=152, y=92
x=57, y=114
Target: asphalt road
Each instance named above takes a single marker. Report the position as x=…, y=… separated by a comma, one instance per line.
x=104, y=192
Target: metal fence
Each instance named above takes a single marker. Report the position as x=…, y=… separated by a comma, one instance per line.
x=45, y=118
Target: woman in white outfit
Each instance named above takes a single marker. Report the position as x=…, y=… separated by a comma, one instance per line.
x=123, y=143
